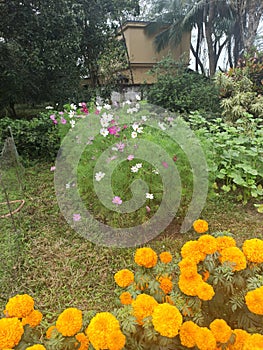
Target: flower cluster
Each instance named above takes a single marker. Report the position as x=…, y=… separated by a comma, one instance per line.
x=19, y=315
x=202, y=299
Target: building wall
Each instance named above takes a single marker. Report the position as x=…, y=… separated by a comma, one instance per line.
x=142, y=51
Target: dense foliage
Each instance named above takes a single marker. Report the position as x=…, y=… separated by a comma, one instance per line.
x=181, y=90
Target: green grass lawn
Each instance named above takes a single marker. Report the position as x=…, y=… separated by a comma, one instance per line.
x=58, y=268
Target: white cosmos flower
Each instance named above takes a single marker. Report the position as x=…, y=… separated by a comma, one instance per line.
x=134, y=169
x=140, y=130
x=107, y=106
x=162, y=126
x=138, y=97
x=144, y=118
x=71, y=114
x=49, y=107
x=72, y=106
x=104, y=123
x=155, y=171
x=139, y=165
x=104, y=132
x=100, y=175
x=149, y=195
x=72, y=123
x=134, y=134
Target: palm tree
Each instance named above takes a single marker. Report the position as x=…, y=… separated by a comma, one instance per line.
x=219, y=23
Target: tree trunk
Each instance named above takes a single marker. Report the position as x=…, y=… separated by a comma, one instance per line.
x=254, y=14
x=209, y=12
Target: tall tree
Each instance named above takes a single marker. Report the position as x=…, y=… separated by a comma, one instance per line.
x=219, y=23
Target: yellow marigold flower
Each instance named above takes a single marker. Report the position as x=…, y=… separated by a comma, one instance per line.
x=254, y=301
x=124, y=278
x=101, y=328
x=205, y=339
x=187, y=334
x=36, y=347
x=167, y=320
x=253, y=250
x=191, y=250
x=207, y=244
x=69, y=322
x=126, y=298
x=234, y=256
x=145, y=257
x=143, y=306
x=166, y=284
x=254, y=342
x=165, y=257
x=188, y=267
x=221, y=330
x=225, y=242
x=204, y=291
x=200, y=226
x=116, y=340
x=33, y=319
x=21, y=305
x=188, y=285
x=49, y=332
x=11, y=331
x=241, y=337
x=83, y=340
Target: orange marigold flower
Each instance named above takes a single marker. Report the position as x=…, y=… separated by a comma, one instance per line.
x=205, y=339
x=167, y=320
x=165, y=257
x=33, y=319
x=235, y=257
x=36, y=347
x=188, y=285
x=200, y=226
x=145, y=257
x=225, y=242
x=221, y=330
x=187, y=334
x=254, y=301
x=124, y=278
x=166, y=284
x=116, y=340
x=241, y=337
x=254, y=342
x=206, y=275
x=69, y=322
x=204, y=291
x=191, y=250
x=253, y=250
x=102, y=329
x=49, y=332
x=143, y=306
x=188, y=267
x=207, y=244
x=83, y=340
x=21, y=305
x=126, y=298
x=11, y=331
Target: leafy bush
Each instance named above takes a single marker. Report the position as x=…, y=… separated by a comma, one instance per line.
x=241, y=89
x=36, y=139
x=181, y=90
x=234, y=152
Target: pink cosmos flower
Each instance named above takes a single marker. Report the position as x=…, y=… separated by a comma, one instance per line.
x=63, y=120
x=165, y=165
x=117, y=200
x=113, y=130
x=76, y=217
x=53, y=168
x=52, y=117
x=120, y=146
x=148, y=209
x=130, y=157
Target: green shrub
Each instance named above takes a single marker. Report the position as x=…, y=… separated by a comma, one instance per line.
x=182, y=90
x=36, y=139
